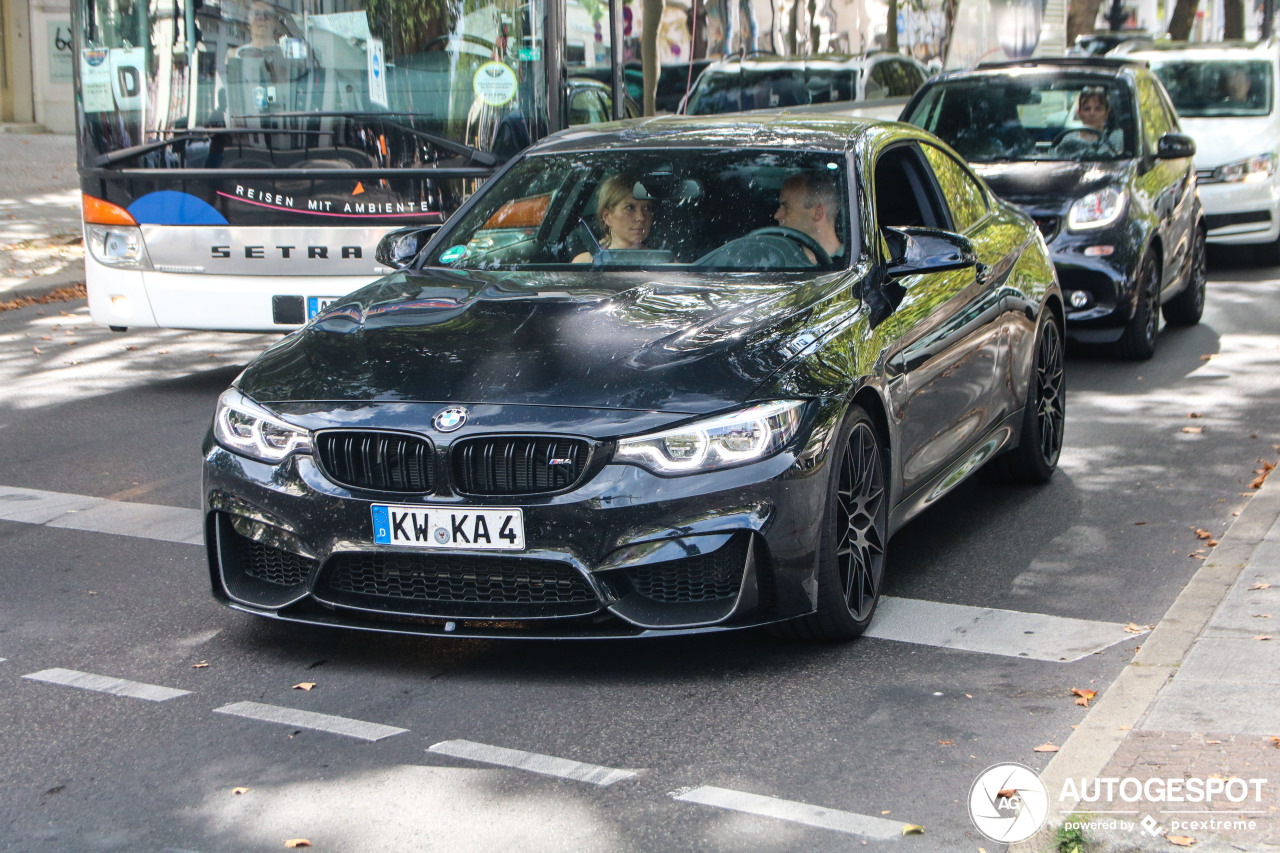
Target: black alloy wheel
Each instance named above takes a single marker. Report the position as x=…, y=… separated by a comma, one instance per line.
x=854, y=534
x=1040, y=442
x=1187, y=307
x=1139, y=339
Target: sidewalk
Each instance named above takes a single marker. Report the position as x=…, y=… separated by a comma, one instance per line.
x=1200, y=700
x=40, y=247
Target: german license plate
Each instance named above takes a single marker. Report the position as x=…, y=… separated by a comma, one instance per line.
x=489, y=529
x=316, y=304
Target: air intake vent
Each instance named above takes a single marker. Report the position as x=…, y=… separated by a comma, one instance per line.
x=383, y=461
x=708, y=577
x=518, y=465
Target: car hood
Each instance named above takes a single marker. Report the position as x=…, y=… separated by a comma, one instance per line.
x=688, y=343
x=1226, y=140
x=1050, y=184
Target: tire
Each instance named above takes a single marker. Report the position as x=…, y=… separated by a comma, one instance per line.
x=1040, y=440
x=1139, y=339
x=1187, y=307
x=1268, y=253
x=854, y=534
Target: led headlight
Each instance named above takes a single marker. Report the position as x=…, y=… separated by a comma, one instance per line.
x=1247, y=171
x=118, y=246
x=242, y=426
x=744, y=436
x=1097, y=209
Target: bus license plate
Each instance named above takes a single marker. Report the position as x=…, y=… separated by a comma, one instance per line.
x=489, y=529
x=316, y=304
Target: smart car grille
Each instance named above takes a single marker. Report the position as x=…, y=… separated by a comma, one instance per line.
x=385, y=461
x=270, y=564
x=708, y=577
x=1048, y=226
x=448, y=579
x=518, y=465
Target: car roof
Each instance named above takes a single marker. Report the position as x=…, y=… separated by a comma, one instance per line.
x=819, y=60
x=772, y=130
x=1206, y=51
x=1089, y=63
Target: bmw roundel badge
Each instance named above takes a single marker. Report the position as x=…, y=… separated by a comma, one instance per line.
x=447, y=420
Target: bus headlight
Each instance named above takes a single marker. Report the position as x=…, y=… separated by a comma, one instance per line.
x=118, y=246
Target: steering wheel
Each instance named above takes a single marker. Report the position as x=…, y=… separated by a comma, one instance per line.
x=800, y=237
x=1078, y=133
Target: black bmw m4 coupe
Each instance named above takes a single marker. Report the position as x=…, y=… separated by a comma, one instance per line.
x=662, y=376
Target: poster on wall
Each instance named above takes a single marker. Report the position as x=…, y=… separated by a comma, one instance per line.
x=60, y=52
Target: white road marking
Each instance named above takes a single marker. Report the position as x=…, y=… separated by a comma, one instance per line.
x=986, y=630
x=1037, y=636
x=547, y=765
x=847, y=822
x=99, y=515
x=106, y=684
x=310, y=720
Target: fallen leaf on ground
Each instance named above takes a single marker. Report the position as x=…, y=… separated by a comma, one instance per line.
x=1213, y=741
x=1201, y=533
x=1262, y=616
x=1126, y=728
x=1260, y=586
x=1194, y=415
x=1134, y=628
x=912, y=829
x=1207, y=356
x=1006, y=793
x=945, y=742
x=886, y=811
x=1181, y=840
x=297, y=842
x=1275, y=741
x=1267, y=468
x=1263, y=637
x=36, y=350
x=1193, y=430
x=46, y=337
x=1045, y=747
x=1196, y=556
x=306, y=685
x=200, y=665
x=1084, y=696
x=1138, y=523
x=239, y=791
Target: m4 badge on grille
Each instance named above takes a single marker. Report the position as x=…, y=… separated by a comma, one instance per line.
x=560, y=462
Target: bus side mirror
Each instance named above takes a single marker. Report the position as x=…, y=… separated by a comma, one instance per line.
x=398, y=248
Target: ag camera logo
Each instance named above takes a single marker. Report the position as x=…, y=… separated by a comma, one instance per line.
x=1008, y=803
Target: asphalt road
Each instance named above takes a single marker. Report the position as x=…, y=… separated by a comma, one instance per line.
x=735, y=741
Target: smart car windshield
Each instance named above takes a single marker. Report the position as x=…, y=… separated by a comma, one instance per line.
x=692, y=207
x=1200, y=89
x=993, y=118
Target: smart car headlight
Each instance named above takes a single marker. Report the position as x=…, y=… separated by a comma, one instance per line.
x=118, y=246
x=747, y=435
x=244, y=427
x=1097, y=209
x=1247, y=171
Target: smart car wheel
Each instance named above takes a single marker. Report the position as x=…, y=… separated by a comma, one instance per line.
x=1040, y=443
x=1139, y=339
x=854, y=534
x=1187, y=307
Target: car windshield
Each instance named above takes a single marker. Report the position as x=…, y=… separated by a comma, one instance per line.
x=640, y=209
x=1203, y=88
x=992, y=118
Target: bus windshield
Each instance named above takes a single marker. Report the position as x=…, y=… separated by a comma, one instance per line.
x=315, y=73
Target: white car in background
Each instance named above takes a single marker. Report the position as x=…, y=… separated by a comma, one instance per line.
x=1226, y=95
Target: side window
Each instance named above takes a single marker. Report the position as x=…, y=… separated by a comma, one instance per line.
x=899, y=81
x=963, y=193
x=915, y=78
x=878, y=82
x=1156, y=121
x=586, y=107
x=905, y=195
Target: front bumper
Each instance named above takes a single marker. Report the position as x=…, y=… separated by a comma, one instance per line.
x=1097, y=289
x=624, y=554
x=1241, y=213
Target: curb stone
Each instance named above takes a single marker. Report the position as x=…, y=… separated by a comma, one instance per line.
x=1130, y=697
x=43, y=285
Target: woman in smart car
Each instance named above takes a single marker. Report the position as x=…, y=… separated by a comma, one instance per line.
x=624, y=219
x=1093, y=108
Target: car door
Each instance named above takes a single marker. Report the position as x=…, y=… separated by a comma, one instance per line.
x=1167, y=185
x=944, y=347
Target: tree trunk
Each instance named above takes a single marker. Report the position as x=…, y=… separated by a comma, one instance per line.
x=891, y=29
x=652, y=10
x=1082, y=17
x=1232, y=19
x=1184, y=15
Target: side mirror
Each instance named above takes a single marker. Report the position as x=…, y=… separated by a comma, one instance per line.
x=1175, y=146
x=913, y=251
x=398, y=248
